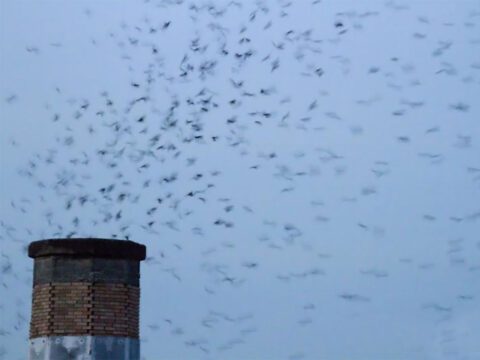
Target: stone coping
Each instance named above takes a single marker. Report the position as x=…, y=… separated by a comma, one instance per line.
x=88, y=248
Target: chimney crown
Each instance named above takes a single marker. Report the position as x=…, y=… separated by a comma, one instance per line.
x=88, y=248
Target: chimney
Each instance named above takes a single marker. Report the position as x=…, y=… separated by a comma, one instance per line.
x=85, y=303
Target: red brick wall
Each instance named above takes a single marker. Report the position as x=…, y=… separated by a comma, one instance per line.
x=79, y=308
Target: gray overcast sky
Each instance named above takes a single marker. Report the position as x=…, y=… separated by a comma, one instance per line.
x=305, y=174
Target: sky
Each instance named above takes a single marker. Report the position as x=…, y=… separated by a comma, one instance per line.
x=305, y=174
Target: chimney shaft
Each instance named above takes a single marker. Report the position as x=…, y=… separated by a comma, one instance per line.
x=85, y=303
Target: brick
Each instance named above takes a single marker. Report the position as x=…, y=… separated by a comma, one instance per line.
x=84, y=309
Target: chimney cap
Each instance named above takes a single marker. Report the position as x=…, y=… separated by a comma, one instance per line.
x=88, y=248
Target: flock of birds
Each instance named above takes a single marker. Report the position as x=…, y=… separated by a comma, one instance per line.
x=285, y=172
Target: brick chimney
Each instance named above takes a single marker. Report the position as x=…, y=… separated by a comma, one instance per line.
x=85, y=303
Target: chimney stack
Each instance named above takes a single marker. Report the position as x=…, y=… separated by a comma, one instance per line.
x=85, y=303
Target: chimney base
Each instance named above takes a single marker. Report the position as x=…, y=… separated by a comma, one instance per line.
x=84, y=347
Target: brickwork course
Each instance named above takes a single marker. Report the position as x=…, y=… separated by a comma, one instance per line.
x=85, y=309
